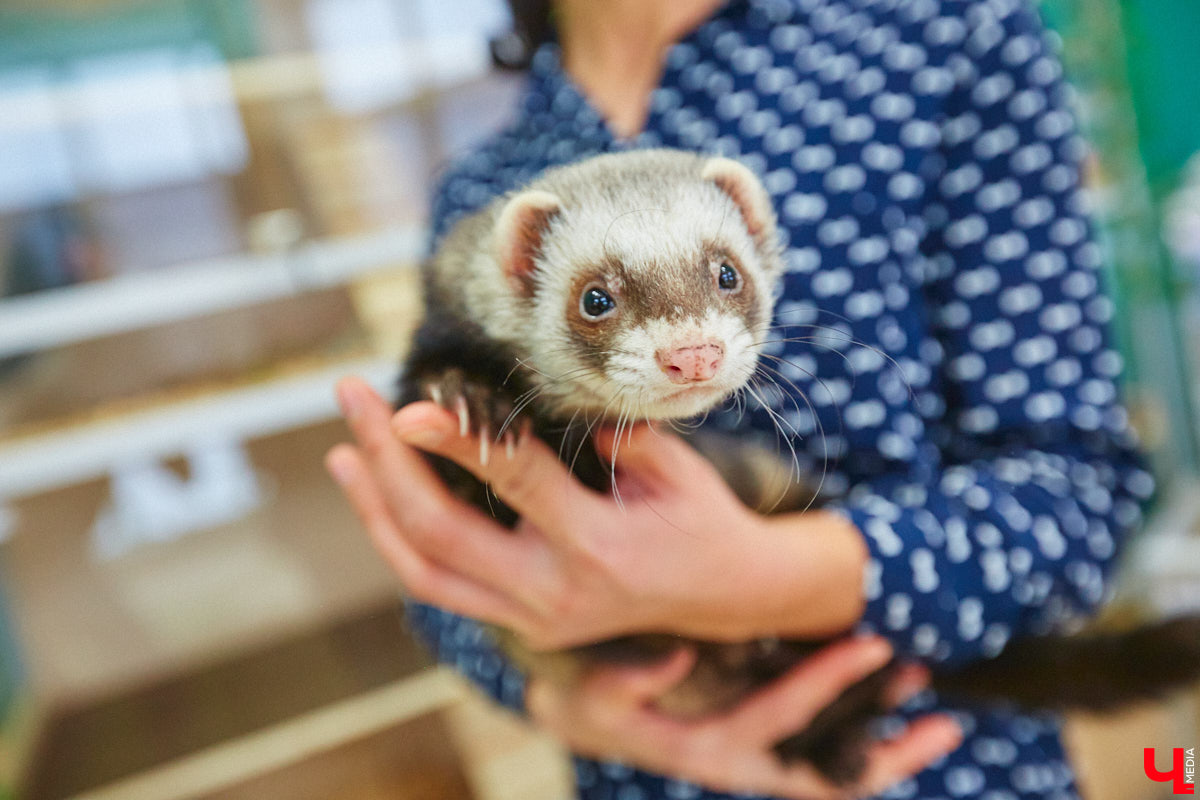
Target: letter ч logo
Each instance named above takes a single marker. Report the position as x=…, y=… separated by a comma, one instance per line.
x=1183, y=769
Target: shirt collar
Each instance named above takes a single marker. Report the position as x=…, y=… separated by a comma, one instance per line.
x=553, y=101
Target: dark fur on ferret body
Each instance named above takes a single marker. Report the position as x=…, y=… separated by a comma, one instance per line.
x=453, y=352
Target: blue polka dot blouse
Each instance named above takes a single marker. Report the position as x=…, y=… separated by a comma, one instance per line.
x=941, y=326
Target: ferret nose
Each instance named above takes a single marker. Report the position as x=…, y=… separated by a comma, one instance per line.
x=692, y=363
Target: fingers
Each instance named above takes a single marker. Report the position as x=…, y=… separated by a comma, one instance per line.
x=409, y=511
x=421, y=577
x=641, y=684
x=406, y=483
x=790, y=703
x=533, y=482
x=609, y=713
x=368, y=416
x=924, y=742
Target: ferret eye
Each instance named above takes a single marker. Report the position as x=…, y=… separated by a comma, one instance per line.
x=728, y=278
x=596, y=303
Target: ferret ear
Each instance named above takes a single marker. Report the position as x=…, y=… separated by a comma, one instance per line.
x=518, y=235
x=747, y=192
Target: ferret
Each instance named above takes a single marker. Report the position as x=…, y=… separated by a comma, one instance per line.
x=639, y=286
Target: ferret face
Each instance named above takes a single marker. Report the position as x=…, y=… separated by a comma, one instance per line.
x=655, y=335
x=646, y=302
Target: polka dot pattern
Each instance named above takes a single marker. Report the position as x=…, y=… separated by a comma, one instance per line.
x=941, y=316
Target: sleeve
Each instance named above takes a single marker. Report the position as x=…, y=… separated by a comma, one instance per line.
x=466, y=645
x=458, y=641
x=1039, y=478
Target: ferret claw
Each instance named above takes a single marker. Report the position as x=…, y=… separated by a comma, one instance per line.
x=510, y=446
x=484, y=442
x=435, y=394
x=464, y=415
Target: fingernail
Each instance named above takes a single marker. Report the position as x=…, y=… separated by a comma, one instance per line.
x=423, y=436
x=951, y=735
x=464, y=415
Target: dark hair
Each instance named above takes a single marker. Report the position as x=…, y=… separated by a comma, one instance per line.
x=532, y=27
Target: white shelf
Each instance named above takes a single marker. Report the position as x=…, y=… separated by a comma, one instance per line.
x=42, y=462
x=426, y=66
x=86, y=311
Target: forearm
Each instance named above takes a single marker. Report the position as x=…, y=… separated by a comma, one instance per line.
x=948, y=571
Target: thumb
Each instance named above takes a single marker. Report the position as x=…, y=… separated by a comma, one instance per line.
x=645, y=454
x=641, y=684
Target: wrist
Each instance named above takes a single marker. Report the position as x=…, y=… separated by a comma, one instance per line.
x=809, y=575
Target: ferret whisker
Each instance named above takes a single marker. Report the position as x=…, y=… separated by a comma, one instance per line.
x=819, y=381
x=794, y=471
x=782, y=426
x=612, y=467
x=825, y=457
x=809, y=309
x=825, y=465
x=561, y=377
x=599, y=419
x=520, y=362
x=562, y=456
x=677, y=428
x=779, y=422
x=764, y=372
x=817, y=342
x=586, y=438
x=740, y=402
x=583, y=440
x=523, y=402
x=523, y=363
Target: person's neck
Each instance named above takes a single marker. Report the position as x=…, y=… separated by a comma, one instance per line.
x=614, y=50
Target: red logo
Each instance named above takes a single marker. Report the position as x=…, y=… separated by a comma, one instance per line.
x=1183, y=769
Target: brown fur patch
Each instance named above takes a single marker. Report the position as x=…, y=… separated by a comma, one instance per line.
x=746, y=299
x=594, y=338
x=684, y=291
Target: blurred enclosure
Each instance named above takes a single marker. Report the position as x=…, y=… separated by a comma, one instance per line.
x=209, y=211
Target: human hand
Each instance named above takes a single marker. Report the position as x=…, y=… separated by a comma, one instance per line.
x=680, y=554
x=611, y=715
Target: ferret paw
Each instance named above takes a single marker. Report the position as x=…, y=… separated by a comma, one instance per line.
x=482, y=410
x=839, y=756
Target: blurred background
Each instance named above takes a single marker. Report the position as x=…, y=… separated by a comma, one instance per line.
x=209, y=211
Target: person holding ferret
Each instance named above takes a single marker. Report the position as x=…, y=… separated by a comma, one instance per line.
x=940, y=312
